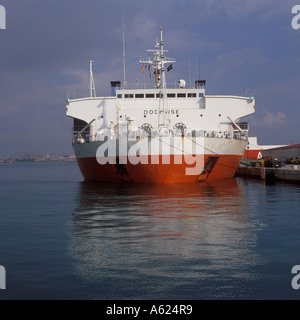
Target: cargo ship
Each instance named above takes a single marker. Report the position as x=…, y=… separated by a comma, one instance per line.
x=158, y=133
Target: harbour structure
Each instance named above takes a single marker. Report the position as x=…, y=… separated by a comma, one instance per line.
x=254, y=151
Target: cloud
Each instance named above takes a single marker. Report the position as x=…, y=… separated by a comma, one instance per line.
x=142, y=28
x=235, y=61
x=9, y=111
x=269, y=119
x=242, y=8
x=47, y=45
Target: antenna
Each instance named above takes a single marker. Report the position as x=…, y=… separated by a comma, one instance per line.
x=92, y=83
x=190, y=72
x=197, y=76
x=199, y=69
x=124, y=73
x=163, y=93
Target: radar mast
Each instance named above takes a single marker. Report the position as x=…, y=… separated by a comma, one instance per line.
x=158, y=61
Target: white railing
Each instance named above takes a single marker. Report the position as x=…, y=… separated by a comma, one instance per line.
x=140, y=85
x=140, y=133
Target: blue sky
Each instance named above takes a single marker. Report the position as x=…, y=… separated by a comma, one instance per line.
x=234, y=45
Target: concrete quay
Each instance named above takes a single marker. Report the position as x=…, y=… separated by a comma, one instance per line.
x=288, y=173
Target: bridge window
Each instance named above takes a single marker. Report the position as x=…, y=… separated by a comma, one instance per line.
x=149, y=95
x=171, y=95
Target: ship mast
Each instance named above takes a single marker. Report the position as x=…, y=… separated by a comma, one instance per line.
x=124, y=60
x=92, y=83
x=158, y=63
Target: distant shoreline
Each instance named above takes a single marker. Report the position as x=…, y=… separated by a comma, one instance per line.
x=18, y=162
x=38, y=159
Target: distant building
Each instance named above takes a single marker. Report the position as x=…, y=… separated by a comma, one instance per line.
x=284, y=152
x=255, y=152
x=32, y=155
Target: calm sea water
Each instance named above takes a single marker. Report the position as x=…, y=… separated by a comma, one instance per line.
x=64, y=239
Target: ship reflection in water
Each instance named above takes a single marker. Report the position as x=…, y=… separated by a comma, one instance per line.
x=164, y=241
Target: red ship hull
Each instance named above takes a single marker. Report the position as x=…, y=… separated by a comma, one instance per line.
x=215, y=168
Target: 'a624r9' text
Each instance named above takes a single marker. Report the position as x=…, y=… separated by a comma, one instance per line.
x=168, y=309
